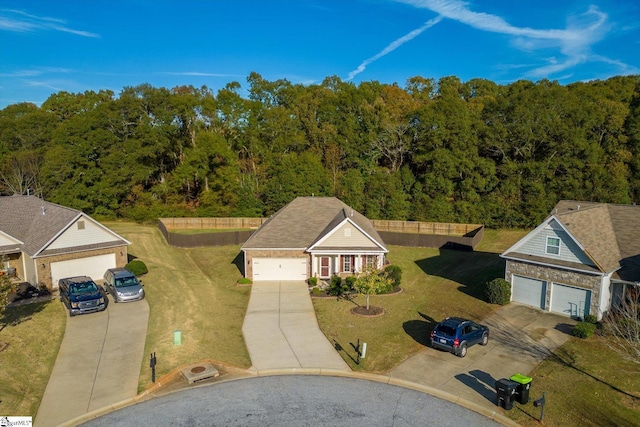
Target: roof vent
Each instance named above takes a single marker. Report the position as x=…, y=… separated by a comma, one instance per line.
x=578, y=207
x=44, y=210
x=351, y=212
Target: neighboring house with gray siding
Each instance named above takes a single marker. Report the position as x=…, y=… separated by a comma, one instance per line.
x=581, y=260
x=43, y=242
x=313, y=237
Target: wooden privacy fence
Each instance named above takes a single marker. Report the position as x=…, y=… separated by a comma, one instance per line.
x=400, y=233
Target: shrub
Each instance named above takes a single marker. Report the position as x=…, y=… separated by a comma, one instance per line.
x=244, y=281
x=312, y=281
x=350, y=281
x=590, y=318
x=498, y=291
x=584, y=330
x=137, y=267
x=338, y=287
x=394, y=272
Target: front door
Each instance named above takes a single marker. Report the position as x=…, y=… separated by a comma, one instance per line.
x=325, y=261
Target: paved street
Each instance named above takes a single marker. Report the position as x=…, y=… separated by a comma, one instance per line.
x=296, y=401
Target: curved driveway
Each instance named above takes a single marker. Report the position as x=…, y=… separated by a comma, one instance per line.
x=98, y=363
x=295, y=401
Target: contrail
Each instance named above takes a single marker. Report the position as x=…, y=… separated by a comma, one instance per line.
x=394, y=45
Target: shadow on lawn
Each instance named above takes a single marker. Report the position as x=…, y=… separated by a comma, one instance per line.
x=470, y=269
x=15, y=315
x=420, y=330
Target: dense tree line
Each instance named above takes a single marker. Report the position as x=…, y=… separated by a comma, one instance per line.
x=444, y=150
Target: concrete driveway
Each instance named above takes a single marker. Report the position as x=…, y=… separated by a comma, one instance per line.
x=281, y=330
x=98, y=363
x=520, y=338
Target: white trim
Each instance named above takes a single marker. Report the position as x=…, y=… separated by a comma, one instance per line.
x=547, y=245
x=329, y=233
x=70, y=224
x=593, y=273
x=535, y=231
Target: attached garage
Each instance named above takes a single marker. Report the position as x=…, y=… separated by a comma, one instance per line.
x=270, y=269
x=529, y=291
x=570, y=301
x=93, y=266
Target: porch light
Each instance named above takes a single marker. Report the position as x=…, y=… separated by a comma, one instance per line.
x=43, y=266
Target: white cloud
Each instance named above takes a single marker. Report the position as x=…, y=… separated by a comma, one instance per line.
x=393, y=46
x=20, y=21
x=573, y=43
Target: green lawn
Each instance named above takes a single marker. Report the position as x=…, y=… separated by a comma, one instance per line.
x=34, y=333
x=193, y=291
x=436, y=284
x=585, y=384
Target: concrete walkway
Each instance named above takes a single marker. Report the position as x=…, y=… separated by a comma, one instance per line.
x=520, y=338
x=98, y=363
x=281, y=330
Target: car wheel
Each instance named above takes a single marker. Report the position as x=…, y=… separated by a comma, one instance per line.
x=71, y=313
x=485, y=339
x=463, y=350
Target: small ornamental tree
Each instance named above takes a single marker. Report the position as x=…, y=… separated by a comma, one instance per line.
x=622, y=327
x=371, y=283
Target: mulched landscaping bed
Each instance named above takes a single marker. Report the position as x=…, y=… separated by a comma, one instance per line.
x=372, y=312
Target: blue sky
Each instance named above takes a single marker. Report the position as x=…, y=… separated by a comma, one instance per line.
x=48, y=46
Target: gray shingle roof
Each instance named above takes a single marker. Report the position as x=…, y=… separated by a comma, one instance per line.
x=304, y=221
x=609, y=233
x=34, y=221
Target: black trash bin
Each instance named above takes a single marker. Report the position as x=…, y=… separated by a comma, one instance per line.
x=505, y=393
x=522, y=390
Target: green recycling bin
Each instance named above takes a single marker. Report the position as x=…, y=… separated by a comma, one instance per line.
x=522, y=389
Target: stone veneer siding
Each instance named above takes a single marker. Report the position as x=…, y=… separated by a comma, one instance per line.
x=250, y=254
x=556, y=275
x=44, y=274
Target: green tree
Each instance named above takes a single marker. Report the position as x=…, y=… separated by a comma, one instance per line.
x=372, y=282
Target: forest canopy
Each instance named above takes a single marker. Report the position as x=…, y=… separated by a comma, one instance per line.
x=445, y=150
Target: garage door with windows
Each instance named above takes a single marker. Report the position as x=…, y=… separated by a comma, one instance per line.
x=93, y=266
x=570, y=301
x=270, y=269
x=529, y=291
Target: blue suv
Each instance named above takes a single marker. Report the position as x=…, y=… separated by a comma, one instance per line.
x=455, y=335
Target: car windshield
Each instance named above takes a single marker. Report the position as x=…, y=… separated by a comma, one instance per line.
x=446, y=330
x=83, y=288
x=126, y=282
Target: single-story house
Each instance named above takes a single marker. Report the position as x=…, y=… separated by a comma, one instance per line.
x=581, y=260
x=313, y=237
x=43, y=242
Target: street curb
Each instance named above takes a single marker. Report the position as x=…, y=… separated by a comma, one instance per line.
x=167, y=378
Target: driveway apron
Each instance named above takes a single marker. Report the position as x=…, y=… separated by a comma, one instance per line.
x=98, y=363
x=281, y=330
x=520, y=338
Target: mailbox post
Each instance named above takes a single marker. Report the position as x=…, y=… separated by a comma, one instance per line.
x=539, y=403
x=152, y=365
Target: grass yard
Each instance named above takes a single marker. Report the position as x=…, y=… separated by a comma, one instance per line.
x=191, y=290
x=436, y=283
x=34, y=333
x=585, y=384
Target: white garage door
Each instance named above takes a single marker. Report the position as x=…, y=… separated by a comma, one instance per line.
x=529, y=291
x=570, y=301
x=279, y=269
x=93, y=267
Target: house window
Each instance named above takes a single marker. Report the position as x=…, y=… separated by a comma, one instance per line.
x=370, y=261
x=80, y=225
x=553, y=245
x=347, y=263
x=347, y=232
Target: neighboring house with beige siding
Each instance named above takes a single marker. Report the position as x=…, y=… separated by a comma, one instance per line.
x=313, y=237
x=581, y=260
x=42, y=242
